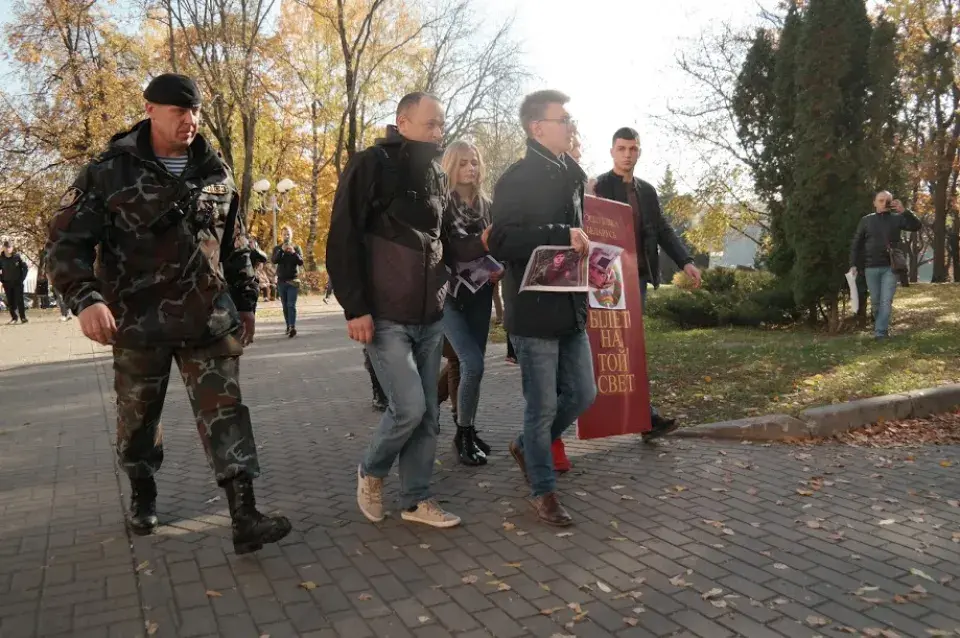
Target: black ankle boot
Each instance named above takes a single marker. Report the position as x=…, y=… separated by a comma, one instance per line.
x=466, y=447
x=143, y=506
x=251, y=529
x=483, y=447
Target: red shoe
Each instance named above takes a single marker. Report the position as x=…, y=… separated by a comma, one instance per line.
x=561, y=463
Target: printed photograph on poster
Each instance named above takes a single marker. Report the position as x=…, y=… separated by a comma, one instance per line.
x=606, y=278
x=555, y=269
x=475, y=274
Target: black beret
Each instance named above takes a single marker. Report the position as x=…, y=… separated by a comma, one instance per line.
x=173, y=89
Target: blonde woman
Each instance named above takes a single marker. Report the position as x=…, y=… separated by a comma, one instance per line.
x=466, y=314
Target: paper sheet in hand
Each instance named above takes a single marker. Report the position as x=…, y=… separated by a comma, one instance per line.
x=475, y=274
x=854, y=294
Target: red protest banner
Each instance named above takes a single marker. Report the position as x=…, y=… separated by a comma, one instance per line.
x=615, y=329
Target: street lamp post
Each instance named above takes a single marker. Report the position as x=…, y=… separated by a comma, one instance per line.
x=261, y=187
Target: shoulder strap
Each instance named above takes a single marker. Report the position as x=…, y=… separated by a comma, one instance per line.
x=386, y=182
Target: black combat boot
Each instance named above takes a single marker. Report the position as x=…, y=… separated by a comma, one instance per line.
x=483, y=447
x=466, y=446
x=143, y=506
x=251, y=529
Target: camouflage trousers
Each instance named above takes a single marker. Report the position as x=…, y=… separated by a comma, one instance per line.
x=211, y=375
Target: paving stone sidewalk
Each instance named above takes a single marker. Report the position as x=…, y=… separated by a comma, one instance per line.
x=687, y=538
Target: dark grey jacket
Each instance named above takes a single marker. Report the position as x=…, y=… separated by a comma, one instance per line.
x=875, y=233
x=653, y=231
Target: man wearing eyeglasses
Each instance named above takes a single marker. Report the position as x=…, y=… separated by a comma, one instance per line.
x=537, y=202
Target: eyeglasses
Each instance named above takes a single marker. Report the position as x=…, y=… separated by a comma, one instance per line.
x=566, y=121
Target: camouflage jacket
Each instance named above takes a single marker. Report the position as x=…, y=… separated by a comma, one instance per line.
x=174, y=265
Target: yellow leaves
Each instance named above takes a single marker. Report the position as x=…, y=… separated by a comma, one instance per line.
x=308, y=585
x=212, y=593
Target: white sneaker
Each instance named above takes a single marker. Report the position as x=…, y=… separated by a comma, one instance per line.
x=370, y=496
x=62, y=319
x=430, y=513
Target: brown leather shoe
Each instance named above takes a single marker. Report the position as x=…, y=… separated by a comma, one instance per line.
x=550, y=511
x=517, y=453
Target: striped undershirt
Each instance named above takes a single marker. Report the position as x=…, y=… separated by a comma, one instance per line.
x=175, y=165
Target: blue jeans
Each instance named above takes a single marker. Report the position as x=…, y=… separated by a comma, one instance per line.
x=407, y=362
x=288, y=299
x=882, y=284
x=558, y=386
x=467, y=329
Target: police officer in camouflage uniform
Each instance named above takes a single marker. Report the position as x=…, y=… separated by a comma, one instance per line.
x=174, y=283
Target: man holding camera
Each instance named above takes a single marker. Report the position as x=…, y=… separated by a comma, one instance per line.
x=174, y=284
x=878, y=246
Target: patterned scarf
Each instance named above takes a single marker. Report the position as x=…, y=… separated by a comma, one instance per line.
x=468, y=219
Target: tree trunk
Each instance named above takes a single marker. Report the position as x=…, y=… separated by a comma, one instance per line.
x=833, y=316
x=953, y=246
x=173, y=48
x=940, y=198
x=249, y=124
x=314, y=192
x=914, y=258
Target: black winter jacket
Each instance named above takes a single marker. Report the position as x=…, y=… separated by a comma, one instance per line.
x=287, y=263
x=653, y=231
x=13, y=269
x=875, y=233
x=388, y=243
x=536, y=203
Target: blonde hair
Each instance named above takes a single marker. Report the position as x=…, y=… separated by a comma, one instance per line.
x=451, y=164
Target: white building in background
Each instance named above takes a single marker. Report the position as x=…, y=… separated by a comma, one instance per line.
x=739, y=249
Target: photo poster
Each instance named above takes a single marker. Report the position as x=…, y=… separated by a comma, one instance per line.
x=615, y=330
x=475, y=274
x=555, y=269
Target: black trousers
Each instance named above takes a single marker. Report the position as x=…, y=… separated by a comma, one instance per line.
x=14, y=292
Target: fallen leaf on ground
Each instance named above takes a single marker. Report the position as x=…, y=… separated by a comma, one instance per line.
x=719, y=604
x=953, y=503
x=945, y=463
x=887, y=521
x=142, y=566
x=508, y=526
x=308, y=585
x=424, y=546
x=211, y=593
x=618, y=538
x=919, y=589
x=423, y=619
x=469, y=580
x=514, y=565
x=575, y=607
x=678, y=581
x=551, y=611
x=814, y=524
x=564, y=534
x=677, y=488
x=633, y=622
x=504, y=587
x=921, y=574
x=583, y=494
x=780, y=566
x=872, y=601
x=151, y=627
x=544, y=586
x=212, y=500
x=805, y=492
x=865, y=589
x=365, y=597
x=940, y=632
x=605, y=588
x=817, y=621
x=713, y=593
x=618, y=487
x=728, y=531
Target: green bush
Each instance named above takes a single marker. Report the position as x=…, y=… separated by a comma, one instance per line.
x=728, y=297
x=719, y=279
x=313, y=282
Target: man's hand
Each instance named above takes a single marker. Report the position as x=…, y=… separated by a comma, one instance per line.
x=496, y=276
x=898, y=206
x=579, y=241
x=248, y=325
x=853, y=270
x=693, y=273
x=98, y=324
x=288, y=248
x=361, y=329
x=485, y=238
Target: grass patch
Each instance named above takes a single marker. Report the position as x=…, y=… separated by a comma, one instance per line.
x=726, y=373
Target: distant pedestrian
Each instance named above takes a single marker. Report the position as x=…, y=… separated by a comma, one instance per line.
x=13, y=274
x=878, y=245
x=289, y=259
